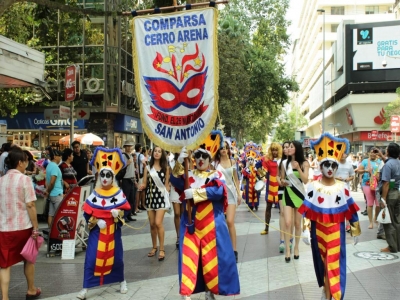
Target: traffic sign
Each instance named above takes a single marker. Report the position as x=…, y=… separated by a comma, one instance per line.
x=395, y=124
x=374, y=134
x=82, y=113
x=65, y=112
x=52, y=114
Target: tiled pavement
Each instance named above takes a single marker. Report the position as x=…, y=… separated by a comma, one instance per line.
x=263, y=271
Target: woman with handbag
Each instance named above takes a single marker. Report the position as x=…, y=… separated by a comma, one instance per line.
x=18, y=221
x=369, y=168
x=156, y=186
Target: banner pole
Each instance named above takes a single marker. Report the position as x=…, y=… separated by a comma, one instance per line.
x=175, y=7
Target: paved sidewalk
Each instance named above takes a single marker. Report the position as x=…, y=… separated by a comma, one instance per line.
x=263, y=271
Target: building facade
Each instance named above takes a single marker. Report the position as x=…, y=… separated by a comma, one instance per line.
x=354, y=97
x=102, y=48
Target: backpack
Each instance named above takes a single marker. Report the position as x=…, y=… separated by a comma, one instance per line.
x=122, y=172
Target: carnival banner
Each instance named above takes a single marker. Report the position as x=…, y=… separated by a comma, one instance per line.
x=176, y=75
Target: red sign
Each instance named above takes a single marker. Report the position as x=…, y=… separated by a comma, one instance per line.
x=374, y=134
x=395, y=124
x=71, y=82
x=65, y=220
x=371, y=136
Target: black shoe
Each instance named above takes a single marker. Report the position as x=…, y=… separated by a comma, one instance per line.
x=364, y=213
x=127, y=220
x=287, y=259
x=236, y=256
x=296, y=256
x=256, y=208
x=381, y=237
x=131, y=219
x=141, y=208
x=134, y=214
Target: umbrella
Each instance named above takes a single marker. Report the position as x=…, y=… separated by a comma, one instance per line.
x=66, y=139
x=91, y=139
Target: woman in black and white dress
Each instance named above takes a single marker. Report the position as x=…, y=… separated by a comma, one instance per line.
x=156, y=185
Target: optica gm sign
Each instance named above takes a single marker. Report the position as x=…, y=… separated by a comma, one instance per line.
x=71, y=82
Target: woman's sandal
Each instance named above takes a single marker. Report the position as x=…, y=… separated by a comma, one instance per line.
x=177, y=243
x=161, y=257
x=152, y=252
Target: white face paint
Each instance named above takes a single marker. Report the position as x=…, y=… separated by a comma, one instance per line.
x=329, y=168
x=106, y=178
x=202, y=161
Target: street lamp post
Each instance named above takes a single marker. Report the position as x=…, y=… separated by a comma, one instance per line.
x=322, y=11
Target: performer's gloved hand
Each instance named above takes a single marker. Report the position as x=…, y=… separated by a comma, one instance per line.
x=115, y=212
x=355, y=239
x=182, y=155
x=101, y=223
x=189, y=194
x=247, y=170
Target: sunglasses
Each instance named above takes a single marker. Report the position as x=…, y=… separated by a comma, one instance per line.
x=328, y=164
x=106, y=175
x=223, y=148
x=202, y=155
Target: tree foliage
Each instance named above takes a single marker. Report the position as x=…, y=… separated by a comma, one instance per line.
x=253, y=85
x=288, y=123
x=392, y=109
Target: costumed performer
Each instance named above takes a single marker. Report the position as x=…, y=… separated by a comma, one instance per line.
x=268, y=166
x=104, y=210
x=250, y=194
x=328, y=204
x=204, y=264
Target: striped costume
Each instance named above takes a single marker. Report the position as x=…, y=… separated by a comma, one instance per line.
x=206, y=258
x=328, y=207
x=250, y=195
x=272, y=185
x=104, y=255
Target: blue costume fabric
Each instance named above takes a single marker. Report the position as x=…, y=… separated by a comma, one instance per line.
x=104, y=254
x=204, y=262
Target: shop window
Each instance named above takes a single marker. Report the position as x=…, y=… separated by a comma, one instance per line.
x=370, y=10
x=337, y=10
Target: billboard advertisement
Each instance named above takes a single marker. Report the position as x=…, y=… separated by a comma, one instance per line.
x=376, y=48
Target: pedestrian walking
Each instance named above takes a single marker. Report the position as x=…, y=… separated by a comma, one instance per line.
x=18, y=221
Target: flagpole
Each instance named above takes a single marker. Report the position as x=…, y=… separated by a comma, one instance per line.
x=175, y=7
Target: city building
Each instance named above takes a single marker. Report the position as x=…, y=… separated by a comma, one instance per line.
x=349, y=97
x=102, y=48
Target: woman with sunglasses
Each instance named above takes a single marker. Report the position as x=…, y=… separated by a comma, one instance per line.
x=294, y=172
x=156, y=185
x=227, y=166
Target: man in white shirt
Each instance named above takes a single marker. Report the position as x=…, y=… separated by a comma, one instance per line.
x=345, y=171
x=128, y=182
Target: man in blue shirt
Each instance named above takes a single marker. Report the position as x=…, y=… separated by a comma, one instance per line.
x=54, y=184
x=390, y=194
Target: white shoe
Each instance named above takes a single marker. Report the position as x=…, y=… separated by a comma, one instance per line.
x=123, y=287
x=209, y=296
x=306, y=237
x=82, y=294
x=185, y=298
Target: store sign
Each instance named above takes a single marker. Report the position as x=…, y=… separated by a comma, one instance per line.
x=37, y=121
x=374, y=135
x=395, y=124
x=71, y=82
x=128, y=124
